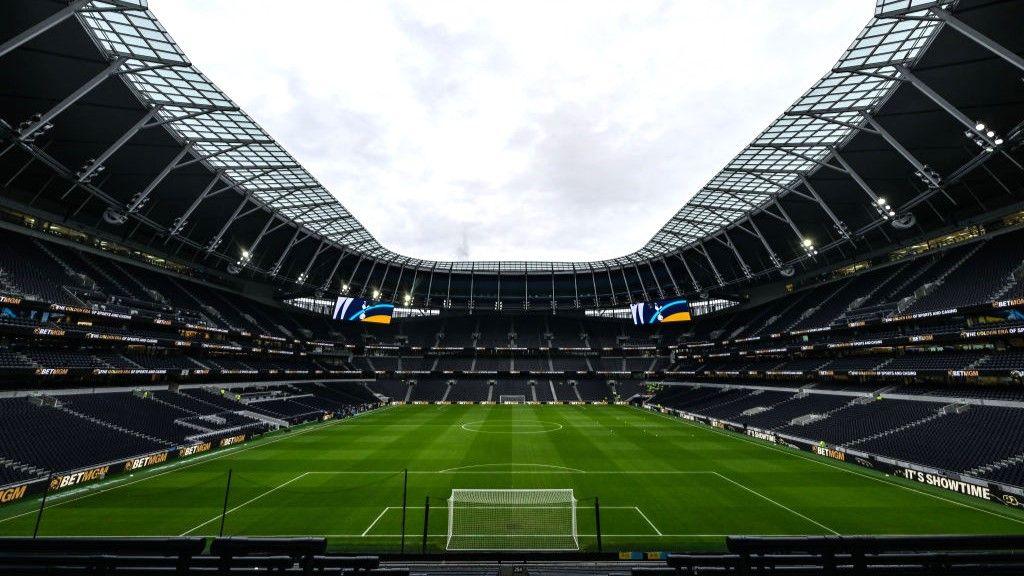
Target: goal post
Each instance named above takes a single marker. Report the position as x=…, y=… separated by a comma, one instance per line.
x=512, y=519
x=511, y=399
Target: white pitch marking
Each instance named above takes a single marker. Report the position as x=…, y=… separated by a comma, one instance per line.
x=847, y=470
x=375, y=520
x=641, y=512
x=246, y=503
x=567, y=468
x=195, y=461
x=780, y=505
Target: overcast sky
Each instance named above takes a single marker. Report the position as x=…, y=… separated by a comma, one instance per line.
x=514, y=130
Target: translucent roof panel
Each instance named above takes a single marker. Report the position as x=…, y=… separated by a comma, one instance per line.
x=228, y=141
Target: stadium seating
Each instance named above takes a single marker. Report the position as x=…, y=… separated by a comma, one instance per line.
x=804, y=331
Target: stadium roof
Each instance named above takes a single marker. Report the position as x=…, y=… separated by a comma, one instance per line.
x=803, y=190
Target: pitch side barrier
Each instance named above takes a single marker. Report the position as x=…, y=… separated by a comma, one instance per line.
x=181, y=555
x=69, y=479
x=890, y=555
x=1004, y=494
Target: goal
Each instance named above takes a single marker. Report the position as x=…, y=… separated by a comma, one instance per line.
x=511, y=399
x=492, y=519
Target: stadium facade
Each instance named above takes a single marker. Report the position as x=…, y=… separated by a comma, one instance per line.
x=173, y=282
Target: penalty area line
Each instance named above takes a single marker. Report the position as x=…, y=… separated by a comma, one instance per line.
x=243, y=504
x=780, y=505
x=375, y=520
x=644, y=516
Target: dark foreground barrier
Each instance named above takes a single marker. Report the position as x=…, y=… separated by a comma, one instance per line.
x=125, y=556
x=855, y=555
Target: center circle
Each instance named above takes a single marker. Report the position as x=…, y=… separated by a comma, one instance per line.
x=511, y=426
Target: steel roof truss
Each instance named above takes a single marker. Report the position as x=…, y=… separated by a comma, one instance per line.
x=986, y=42
x=68, y=101
x=42, y=26
x=121, y=141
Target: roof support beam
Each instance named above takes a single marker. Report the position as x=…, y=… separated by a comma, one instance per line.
x=384, y=278
x=180, y=221
x=267, y=229
x=611, y=286
x=934, y=96
x=739, y=257
x=668, y=270
x=43, y=26
x=173, y=119
x=856, y=177
x=430, y=286
x=839, y=225
x=984, y=41
x=199, y=158
x=923, y=171
x=575, y=290
x=398, y=284
x=366, y=282
x=351, y=277
x=629, y=293
x=139, y=199
x=113, y=148
x=323, y=245
x=288, y=248
x=791, y=152
x=714, y=269
x=216, y=240
x=689, y=272
x=764, y=242
x=330, y=277
x=643, y=287
x=661, y=291
x=70, y=100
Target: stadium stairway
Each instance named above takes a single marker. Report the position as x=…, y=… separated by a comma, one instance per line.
x=938, y=414
x=111, y=425
x=998, y=465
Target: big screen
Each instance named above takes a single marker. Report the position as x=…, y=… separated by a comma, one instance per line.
x=657, y=312
x=359, y=310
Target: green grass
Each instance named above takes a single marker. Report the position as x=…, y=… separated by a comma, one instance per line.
x=663, y=484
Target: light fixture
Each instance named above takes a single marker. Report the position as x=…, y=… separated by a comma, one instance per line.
x=376, y=294
x=979, y=135
x=883, y=208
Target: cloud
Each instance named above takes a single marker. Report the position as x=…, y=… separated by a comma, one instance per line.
x=513, y=130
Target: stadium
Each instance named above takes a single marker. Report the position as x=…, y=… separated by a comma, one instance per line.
x=209, y=365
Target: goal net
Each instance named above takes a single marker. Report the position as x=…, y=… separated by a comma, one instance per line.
x=543, y=519
x=511, y=399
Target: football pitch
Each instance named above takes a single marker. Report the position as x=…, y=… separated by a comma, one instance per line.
x=662, y=483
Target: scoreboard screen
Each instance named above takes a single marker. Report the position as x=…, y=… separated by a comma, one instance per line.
x=658, y=312
x=359, y=310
